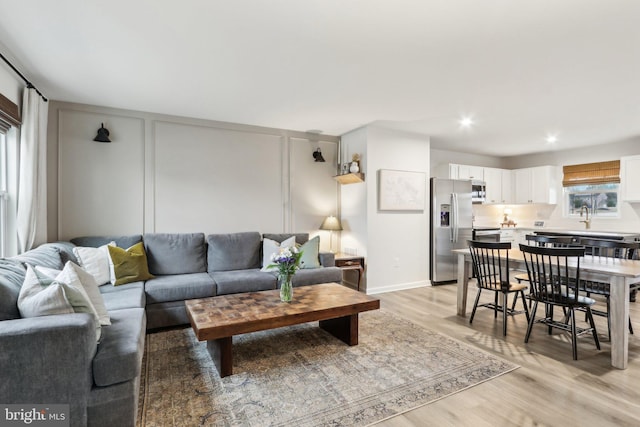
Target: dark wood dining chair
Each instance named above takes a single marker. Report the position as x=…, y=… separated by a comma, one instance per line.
x=554, y=283
x=545, y=241
x=603, y=248
x=490, y=262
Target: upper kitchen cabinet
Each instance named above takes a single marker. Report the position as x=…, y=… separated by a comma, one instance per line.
x=498, y=186
x=470, y=172
x=629, y=178
x=455, y=171
x=535, y=185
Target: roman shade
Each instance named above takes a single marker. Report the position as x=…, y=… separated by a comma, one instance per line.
x=591, y=173
x=9, y=114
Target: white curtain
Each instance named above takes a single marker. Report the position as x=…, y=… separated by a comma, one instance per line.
x=32, y=187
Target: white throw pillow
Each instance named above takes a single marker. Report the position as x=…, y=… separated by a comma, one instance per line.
x=75, y=275
x=43, y=296
x=270, y=247
x=95, y=261
x=39, y=298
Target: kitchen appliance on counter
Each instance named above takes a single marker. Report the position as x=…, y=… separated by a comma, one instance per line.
x=450, y=228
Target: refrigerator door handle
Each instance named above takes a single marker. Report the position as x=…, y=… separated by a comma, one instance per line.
x=454, y=217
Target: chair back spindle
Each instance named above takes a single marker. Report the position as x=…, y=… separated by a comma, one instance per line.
x=554, y=273
x=490, y=271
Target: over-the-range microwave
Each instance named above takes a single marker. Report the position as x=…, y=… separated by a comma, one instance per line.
x=478, y=191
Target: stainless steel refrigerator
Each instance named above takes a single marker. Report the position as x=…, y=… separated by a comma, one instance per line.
x=451, y=226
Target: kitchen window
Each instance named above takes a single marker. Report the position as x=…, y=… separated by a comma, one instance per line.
x=594, y=185
x=601, y=200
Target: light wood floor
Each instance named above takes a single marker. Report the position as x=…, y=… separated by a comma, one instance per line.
x=549, y=388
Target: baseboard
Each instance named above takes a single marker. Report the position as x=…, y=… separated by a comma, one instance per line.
x=398, y=287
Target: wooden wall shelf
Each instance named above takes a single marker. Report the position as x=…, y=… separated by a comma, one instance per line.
x=350, y=178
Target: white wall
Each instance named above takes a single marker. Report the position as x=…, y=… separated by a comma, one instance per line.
x=440, y=160
x=171, y=174
x=397, y=242
x=353, y=198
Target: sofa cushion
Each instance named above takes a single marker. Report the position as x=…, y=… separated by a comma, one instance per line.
x=120, y=351
x=96, y=241
x=106, y=289
x=129, y=265
x=130, y=295
x=234, y=251
x=176, y=253
x=125, y=298
x=179, y=287
x=46, y=255
x=12, y=274
x=317, y=275
x=233, y=282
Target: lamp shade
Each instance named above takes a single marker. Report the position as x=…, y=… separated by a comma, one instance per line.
x=331, y=223
x=103, y=134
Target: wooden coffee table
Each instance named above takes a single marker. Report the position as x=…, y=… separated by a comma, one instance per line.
x=217, y=319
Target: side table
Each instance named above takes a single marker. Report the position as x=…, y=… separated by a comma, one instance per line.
x=351, y=262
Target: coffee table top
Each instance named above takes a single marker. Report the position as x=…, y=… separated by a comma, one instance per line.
x=228, y=315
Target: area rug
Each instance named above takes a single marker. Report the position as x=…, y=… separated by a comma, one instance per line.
x=303, y=376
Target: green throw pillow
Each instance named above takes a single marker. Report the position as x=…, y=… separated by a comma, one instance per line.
x=129, y=265
x=310, y=253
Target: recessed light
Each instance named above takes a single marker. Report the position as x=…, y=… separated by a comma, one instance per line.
x=466, y=122
x=551, y=139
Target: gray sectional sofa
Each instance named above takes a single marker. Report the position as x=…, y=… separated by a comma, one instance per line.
x=56, y=359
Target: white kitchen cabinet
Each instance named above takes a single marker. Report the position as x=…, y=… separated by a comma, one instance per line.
x=471, y=172
x=521, y=237
x=455, y=171
x=498, y=188
x=508, y=235
x=630, y=178
x=535, y=185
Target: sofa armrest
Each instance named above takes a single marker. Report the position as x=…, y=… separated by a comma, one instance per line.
x=327, y=259
x=48, y=360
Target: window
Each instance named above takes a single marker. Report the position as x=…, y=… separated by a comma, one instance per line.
x=595, y=186
x=4, y=196
x=600, y=199
x=9, y=119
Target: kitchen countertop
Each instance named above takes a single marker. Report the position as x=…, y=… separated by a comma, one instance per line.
x=566, y=231
x=589, y=233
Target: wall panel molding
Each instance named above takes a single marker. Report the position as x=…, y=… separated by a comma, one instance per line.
x=174, y=174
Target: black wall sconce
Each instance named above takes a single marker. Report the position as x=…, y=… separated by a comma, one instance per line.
x=318, y=155
x=103, y=134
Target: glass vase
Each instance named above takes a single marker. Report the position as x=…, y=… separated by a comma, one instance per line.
x=286, y=288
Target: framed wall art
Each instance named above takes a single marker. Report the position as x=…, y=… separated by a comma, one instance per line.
x=401, y=190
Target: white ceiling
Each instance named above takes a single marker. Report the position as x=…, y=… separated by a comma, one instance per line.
x=521, y=68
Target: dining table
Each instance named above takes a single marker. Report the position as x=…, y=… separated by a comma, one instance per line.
x=621, y=274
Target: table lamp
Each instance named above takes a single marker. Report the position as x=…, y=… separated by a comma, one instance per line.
x=506, y=213
x=332, y=224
